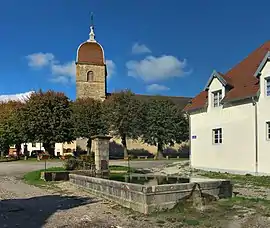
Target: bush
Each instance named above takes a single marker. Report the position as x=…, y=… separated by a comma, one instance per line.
x=78, y=164
x=184, y=150
x=72, y=164
x=116, y=150
x=170, y=152
x=87, y=158
x=134, y=153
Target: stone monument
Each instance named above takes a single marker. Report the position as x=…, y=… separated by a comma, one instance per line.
x=100, y=147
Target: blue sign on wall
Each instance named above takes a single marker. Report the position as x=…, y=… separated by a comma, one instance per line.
x=194, y=136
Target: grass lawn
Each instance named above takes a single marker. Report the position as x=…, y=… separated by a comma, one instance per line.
x=7, y=159
x=242, y=179
x=121, y=168
x=153, y=159
x=33, y=177
x=216, y=214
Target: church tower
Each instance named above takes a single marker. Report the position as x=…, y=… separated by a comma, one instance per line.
x=91, y=69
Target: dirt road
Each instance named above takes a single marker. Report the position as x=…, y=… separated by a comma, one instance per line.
x=19, y=168
x=22, y=205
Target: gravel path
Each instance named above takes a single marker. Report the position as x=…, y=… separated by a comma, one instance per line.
x=22, y=205
x=67, y=206
x=18, y=168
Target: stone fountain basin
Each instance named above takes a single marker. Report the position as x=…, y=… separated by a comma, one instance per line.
x=158, y=194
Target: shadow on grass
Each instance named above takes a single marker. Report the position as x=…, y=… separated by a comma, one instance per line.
x=34, y=212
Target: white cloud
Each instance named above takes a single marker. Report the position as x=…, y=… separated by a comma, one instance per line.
x=140, y=49
x=40, y=59
x=16, y=97
x=61, y=73
x=157, y=88
x=152, y=68
x=111, y=68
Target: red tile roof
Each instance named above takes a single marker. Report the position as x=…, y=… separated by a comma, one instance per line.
x=240, y=77
x=180, y=101
x=90, y=52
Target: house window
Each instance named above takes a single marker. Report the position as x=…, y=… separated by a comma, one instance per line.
x=268, y=87
x=217, y=136
x=34, y=144
x=217, y=96
x=268, y=130
x=90, y=76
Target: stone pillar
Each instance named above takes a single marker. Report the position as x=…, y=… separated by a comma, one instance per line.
x=100, y=146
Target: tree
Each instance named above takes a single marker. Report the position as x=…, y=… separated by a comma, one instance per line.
x=124, y=115
x=48, y=119
x=164, y=124
x=88, y=116
x=10, y=132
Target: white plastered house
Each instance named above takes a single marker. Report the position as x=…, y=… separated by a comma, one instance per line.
x=230, y=118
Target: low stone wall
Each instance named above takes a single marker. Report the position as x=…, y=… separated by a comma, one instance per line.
x=148, y=199
x=63, y=175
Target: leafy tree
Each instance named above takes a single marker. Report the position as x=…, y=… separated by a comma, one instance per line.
x=10, y=132
x=88, y=116
x=164, y=124
x=48, y=119
x=124, y=115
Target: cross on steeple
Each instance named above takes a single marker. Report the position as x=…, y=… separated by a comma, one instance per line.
x=92, y=19
x=92, y=34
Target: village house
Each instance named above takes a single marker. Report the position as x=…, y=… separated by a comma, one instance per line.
x=230, y=118
x=34, y=148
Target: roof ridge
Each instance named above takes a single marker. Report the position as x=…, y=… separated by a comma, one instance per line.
x=155, y=95
x=240, y=76
x=243, y=60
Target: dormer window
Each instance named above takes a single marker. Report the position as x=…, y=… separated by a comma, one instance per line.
x=217, y=96
x=267, y=85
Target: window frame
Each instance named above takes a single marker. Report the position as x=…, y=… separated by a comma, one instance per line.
x=216, y=98
x=34, y=144
x=267, y=86
x=267, y=130
x=217, y=132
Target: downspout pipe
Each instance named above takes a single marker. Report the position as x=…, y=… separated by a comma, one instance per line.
x=256, y=133
x=189, y=126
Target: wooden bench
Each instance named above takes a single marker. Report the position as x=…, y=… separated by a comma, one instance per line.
x=145, y=157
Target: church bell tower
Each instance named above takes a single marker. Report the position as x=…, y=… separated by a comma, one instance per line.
x=91, y=69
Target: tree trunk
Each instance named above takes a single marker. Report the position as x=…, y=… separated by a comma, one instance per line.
x=159, y=154
x=89, y=146
x=124, y=143
x=18, y=150
x=49, y=147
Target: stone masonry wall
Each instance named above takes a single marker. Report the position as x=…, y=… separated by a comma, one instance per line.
x=100, y=146
x=131, y=144
x=95, y=89
x=148, y=199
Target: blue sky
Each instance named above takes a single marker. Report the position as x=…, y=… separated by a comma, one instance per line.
x=176, y=44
